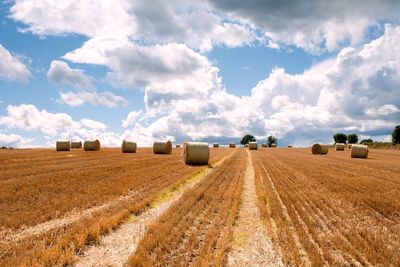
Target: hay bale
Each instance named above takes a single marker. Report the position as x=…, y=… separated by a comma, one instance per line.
x=177, y=146
x=289, y=146
x=91, y=145
x=162, y=147
x=273, y=145
x=128, y=147
x=349, y=146
x=264, y=145
x=196, y=153
x=76, y=144
x=253, y=146
x=320, y=149
x=246, y=145
x=232, y=145
x=339, y=146
x=63, y=146
x=216, y=145
x=359, y=151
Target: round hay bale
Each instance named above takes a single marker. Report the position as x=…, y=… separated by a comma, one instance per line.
x=128, y=147
x=76, y=144
x=339, y=146
x=63, y=146
x=289, y=146
x=349, y=146
x=216, y=145
x=253, y=146
x=246, y=145
x=91, y=145
x=264, y=145
x=232, y=145
x=320, y=149
x=162, y=147
x=273, y=145
x=359, y=151
x=177, y=146
x=196, y=153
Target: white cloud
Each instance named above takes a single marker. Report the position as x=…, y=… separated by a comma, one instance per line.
x=13, y=140
x=105, y=98
x=57, y=126
x=60, y=73
x=12, y=68
x=132, y=117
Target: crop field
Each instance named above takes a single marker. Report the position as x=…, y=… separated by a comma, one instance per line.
x=276, y=207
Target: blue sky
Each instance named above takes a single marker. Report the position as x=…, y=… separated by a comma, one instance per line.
x=197, y=71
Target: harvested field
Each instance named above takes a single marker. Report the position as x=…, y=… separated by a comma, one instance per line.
x=50, y=200
x=331, y=209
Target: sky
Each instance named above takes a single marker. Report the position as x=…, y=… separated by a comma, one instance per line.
x=197, y=70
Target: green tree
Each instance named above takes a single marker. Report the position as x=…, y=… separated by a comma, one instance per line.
x=272, y=140
x=352, y=138
x=396, y=135
x=247, y=138
x=340, y=138
x=366, y=141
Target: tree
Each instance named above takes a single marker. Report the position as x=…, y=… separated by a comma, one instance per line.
x=352, y=138
x=272, y=140
x=396, y=135
x=340, y=138
x=366, y=141
x=247, y=138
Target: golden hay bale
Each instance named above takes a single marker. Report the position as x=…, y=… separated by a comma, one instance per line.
x=63, y=146
x=289, y=146
x=232, y=145
x=76, y=144
x=273, y=145
x=216, y=145
x=320, y=149
x=196, y=153
x=246, y=145
x=253, y=146
x=128, y=147
x=340, y=146
x=349, y=146
x=178, y=146
x=264, y=145
x=162, y=147
x=91, y=145
x=359, y=151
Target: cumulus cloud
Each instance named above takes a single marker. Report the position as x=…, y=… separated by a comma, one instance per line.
x=55, y=126
x=190, y=22
x=13, y=140
x=105, y=98
x=60, y=73
x=12, y=68
x=312, y=25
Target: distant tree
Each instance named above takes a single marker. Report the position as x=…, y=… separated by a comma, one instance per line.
x=272, y=140
x=340, y=138
x=352, y=138
x=247, y=138
x=396, y=135
x=366, y=141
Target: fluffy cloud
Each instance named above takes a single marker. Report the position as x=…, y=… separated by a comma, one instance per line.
x=312, y=25
x=60, y=73
x=13, y=140
x=189, y=22
x=107, y=99
x=12, y=68
x=56, y=126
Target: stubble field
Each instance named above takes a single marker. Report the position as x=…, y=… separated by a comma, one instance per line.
x=269, y=206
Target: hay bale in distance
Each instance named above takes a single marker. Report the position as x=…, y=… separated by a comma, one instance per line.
x=128, y=147
x=232, y=145
x=349, y=146
x=162, y=147
x=63, y=146
x=273, y=145
x=76, y=144
x=177, y=146
x=359, y=151
x=196, y=153
x=320, y=149
x=339, y=146
x=91, y=145
x=216, y=145
x=289, y=146
x=246, y=145
x=253, y=145
x=264, y=145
